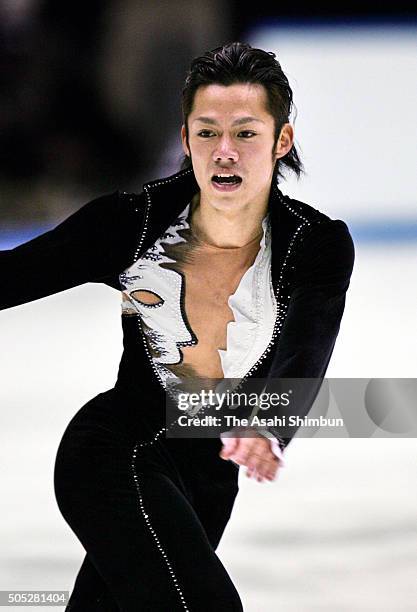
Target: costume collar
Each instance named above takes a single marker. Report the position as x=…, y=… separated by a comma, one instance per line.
x=166, y=198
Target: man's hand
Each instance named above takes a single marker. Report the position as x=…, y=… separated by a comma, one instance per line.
x=254, y=452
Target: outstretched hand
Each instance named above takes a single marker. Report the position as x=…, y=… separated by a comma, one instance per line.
x=255, y=453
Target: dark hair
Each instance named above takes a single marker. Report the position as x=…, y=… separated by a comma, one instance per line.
x=238, y=62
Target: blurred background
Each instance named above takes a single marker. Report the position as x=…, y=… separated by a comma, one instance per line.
x=90, y=103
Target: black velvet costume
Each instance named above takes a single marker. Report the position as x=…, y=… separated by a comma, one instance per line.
x=150, y=511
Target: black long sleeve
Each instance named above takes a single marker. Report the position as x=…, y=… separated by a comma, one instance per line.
x=93, y=244
x=315, y=310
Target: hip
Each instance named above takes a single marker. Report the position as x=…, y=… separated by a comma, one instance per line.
x=108, y=433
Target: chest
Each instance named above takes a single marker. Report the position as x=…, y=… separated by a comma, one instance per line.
x=209, y=281
x=198, y=304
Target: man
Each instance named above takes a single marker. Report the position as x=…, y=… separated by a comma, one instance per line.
x=230, y=137
x=221, y=276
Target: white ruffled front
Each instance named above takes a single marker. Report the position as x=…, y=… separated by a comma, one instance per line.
x=254, y=309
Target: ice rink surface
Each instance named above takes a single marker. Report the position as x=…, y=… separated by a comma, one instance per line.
x=335, y=531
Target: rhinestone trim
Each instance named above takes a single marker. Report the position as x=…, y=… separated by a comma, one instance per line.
x=146, y=188
x=148, y=205
x=148, y=522
x=282, y=306
x=282, y=300
x=163, y=429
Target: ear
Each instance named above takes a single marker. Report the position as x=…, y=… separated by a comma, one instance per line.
x=285, y=140
x=184, y=141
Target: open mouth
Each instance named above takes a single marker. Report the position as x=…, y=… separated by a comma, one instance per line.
x=226, y=179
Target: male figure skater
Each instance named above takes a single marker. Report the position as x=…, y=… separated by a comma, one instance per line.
x=221, y=275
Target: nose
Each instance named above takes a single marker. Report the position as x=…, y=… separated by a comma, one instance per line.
x=225, y=151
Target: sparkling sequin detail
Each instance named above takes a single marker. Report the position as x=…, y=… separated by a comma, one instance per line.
x=282, y=302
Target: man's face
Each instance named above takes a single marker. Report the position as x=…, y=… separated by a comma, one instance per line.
x=232, y=133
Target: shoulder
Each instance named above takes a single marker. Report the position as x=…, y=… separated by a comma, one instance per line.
x=131, y=200
x=106, y=208
x=118, y=199
x=112, y=212
x=325, y=243
x=118, y=203
x=106, y=227
x=320, y=228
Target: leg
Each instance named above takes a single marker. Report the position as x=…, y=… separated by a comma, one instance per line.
x=211, y=482
x=213, y=509
x=141, y=533
x=90, y=592
x=213, y=505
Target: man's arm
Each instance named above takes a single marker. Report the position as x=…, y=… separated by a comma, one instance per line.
x=314, y=313
x=323, y=270
x=88, y=246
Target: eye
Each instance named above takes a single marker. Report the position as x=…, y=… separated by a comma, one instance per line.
x=205, y=133
x=248, y=133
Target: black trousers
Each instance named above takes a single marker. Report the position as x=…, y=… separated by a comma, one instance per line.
x=149, y=511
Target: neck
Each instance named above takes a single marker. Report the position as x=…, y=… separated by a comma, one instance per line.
x=222, y=229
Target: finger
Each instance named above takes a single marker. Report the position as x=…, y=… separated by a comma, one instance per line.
x=254, y=453
x=272, y=472
x=257, y=476
x=269, y=475
x=229, y=447
x=264, y=459
x=244, y=444
x=240, y=456
x=266, y=468
x=259, y=452
x=250, y=472
x=236, y=452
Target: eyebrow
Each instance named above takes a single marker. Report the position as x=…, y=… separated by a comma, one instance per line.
x=240, y=121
